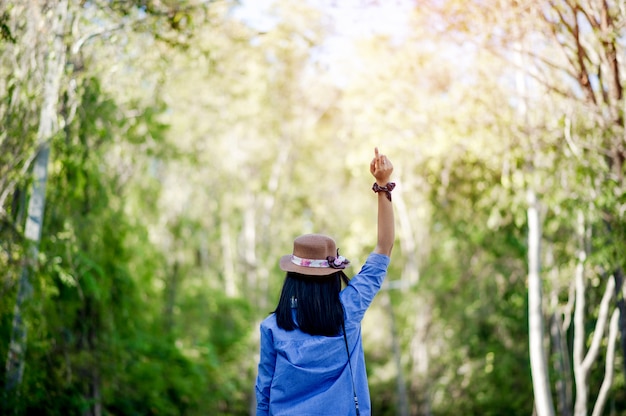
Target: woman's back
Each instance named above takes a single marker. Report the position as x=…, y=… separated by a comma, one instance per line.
x=309, y=374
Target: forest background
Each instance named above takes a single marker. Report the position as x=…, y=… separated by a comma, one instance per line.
x=157, y=157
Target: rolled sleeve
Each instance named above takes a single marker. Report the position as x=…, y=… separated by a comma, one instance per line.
x=363, y=287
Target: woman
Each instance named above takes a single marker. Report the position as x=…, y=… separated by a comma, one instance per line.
x=311, y=360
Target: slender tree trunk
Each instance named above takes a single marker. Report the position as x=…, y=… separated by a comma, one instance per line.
x=402, y=399
x=48, y=125
x=17, y=346
x=609, y=365
x=420, y=384
x=560, y=349
x=266, y=220
x=538, y=362
x=583, y=362
x=249, y=242
x=228, y=258
x=561, y=364
x=171, y=289
x=88, y=345
x=408, y=245
x=620, y=295
x=580, y=376
x=93, y=380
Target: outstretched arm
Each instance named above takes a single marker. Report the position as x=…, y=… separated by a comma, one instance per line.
x=381, y=168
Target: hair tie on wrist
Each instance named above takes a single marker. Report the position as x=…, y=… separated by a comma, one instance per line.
x=386, y=189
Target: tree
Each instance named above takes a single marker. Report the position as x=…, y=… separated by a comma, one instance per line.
x=48, y=126
x=82, y=354
x=573, y=62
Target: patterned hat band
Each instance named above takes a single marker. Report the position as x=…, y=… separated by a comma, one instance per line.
x=338, y=262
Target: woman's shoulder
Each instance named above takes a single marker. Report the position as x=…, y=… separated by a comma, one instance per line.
x=269, y=321
x=269, y=325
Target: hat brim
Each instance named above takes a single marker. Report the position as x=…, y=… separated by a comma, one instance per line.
x=288, y=266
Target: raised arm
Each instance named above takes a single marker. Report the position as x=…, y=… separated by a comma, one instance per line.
x=381, y=168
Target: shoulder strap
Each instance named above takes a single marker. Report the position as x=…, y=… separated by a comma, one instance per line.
x=356, y=401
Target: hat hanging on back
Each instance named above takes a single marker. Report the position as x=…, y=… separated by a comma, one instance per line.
x=315, y=255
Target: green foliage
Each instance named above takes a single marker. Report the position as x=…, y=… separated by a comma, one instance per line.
x=478, y=293
x=97, y=324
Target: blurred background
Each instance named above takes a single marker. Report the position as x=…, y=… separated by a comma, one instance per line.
x=157, y=157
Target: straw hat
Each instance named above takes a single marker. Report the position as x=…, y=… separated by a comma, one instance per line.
x=315, y=255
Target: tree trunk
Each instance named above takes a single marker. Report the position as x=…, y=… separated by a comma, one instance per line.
x=562, y=368
x=17, y=346
x=420, y=383
x=402, y=399
x=228, y=258
x=583, y=362
x=620, y=295
x=249, y=242
x=538, y=361
x=48, y=125
x=583, y=365
x=171, y=289
x=580, y=376
x=608, y=365
x=408, y=246
x=560, y=349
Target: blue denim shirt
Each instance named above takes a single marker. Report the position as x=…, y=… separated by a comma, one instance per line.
x=308, y=375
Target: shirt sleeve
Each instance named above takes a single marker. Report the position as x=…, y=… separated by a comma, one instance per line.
x=358, y=295
x=267, y=364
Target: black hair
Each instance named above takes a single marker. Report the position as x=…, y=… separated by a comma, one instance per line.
x=316, y=301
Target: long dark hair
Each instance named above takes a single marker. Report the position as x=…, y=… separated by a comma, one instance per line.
x=316, y=301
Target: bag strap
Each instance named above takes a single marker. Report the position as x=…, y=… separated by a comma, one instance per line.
x=356, y=401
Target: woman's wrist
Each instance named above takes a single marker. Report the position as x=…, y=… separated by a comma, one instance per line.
x=384, y=189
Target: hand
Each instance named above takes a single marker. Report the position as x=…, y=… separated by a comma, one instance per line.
x=381, y=168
